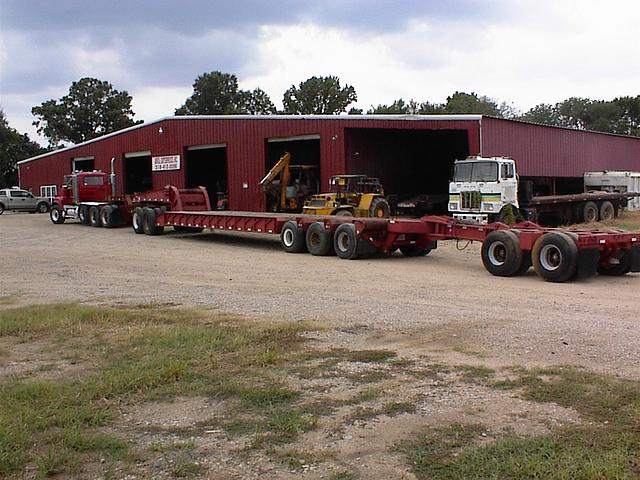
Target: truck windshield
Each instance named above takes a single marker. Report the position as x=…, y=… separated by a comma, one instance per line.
x=476, y=172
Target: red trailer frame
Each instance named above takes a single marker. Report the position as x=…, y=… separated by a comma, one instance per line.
x=556, y=254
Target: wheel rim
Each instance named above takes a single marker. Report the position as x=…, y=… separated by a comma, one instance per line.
x=314, y=238
x=43, y=208
x=550, y=257
x=380, y=213
x=591, y=214
x=287, y=237
x=497, y=253
x=55, y=215
x=343, y=242
x=136, y=221
x=607, y=213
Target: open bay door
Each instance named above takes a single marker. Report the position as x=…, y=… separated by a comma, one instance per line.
x=206, y=166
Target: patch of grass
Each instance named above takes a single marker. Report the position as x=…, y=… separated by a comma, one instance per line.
x=363, y=396
x=605, y=445
x=343, y=475
x=474, y=373
x=178, y=457
x=296, y=457
x=368, y=376
x=393, y=409
x=150, y=353
x=280, y=427
x=629, y=221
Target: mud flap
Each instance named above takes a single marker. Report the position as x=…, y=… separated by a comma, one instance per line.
x=587, y=263
x=635, y=259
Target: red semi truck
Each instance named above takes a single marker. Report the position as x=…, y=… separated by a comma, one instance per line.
x=90, y=197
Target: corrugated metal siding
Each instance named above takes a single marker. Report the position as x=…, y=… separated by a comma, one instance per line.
x=557, y=152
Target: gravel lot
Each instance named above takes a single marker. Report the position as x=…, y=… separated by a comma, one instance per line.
x=444, y=304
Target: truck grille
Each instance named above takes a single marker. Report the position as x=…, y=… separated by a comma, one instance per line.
x=470, y=200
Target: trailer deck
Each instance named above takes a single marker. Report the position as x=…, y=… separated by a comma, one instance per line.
x=557, y=254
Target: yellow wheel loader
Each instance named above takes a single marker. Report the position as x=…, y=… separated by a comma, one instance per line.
x=353, y=195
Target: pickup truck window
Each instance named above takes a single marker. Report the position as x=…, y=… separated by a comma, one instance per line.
x=476, y=172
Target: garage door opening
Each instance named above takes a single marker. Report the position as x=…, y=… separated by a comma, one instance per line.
x=304, y=166
x=137, y=172
x=206, y=166
x=414, y=166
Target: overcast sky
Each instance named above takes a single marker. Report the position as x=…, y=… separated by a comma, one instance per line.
x=521, y=51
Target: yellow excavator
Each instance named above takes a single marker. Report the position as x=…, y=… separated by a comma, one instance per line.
x=288, y=185
x=352, y=195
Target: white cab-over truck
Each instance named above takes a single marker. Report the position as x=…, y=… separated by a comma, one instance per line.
x=488, y=189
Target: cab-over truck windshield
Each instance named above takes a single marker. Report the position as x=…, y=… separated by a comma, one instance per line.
x=475, y=172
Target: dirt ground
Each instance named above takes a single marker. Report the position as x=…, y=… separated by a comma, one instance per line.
x=444, y=307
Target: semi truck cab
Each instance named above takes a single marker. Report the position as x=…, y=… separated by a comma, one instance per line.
x=482, y=187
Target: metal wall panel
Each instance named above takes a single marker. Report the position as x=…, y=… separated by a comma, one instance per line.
x=542, y=151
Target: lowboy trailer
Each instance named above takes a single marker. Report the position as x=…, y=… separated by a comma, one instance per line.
x=556, y=254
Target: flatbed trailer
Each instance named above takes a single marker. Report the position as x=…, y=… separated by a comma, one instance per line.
x=556, y=254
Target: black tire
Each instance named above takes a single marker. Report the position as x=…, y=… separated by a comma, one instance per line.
x=319, y=240
x=526, y=263
x=555, y=257
x=56, y=215
x=379, y=208
x=501, y=254
x=590, y=212
x=345, y=241
x=607, y=211
x=292, y=238
x=149, y=223
x=343, y=213
x=42, y=207
x=138, y=220
x=94, y=217
x=416, y=250
x=1, y=208
x=619, y=264
x=108, y=216
x=83, y=215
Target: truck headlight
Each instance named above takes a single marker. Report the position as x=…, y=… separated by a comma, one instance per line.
x=488, y=206
x=453, y=206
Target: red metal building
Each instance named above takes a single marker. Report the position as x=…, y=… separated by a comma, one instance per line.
x=411, y=154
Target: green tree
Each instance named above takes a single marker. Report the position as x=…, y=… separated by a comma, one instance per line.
x=411, y=107
x=461, y=102
x=14, y=146
x=319, y=95
x=543, y=113
x=91, y=108
x=629, y=115
x=217, y=93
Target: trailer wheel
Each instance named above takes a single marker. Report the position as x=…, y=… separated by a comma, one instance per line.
x=107, y=216
x=501, y=254
x=416, y=250
x=319, y=240
x=618, y=264
x=149, y=222
x=590, y=212
x=83, y=215
x=379, y=208
x=138, y=220
x=292, y=238
x=56, y=215
x=345, y=241
x=607, y=211
x=555, y=257
x=94, y=217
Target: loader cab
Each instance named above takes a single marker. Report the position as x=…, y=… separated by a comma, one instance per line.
x=482, y=187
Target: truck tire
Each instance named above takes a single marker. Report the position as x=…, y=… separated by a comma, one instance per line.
x=56, y=215
x=379, y=208
x=42, y=207
x=501, y=254
x=292, y=238
x=94, y=217
x=345, y=241
x=620, y=264
x=590, y=212
x=108, y=216
x=319, y=240
x=555, y=257
x=416, y=250
x=149, y=222
x=607, y=211
x=1, y=208
x=343, y=212
x=138, y=220
x=83, y=215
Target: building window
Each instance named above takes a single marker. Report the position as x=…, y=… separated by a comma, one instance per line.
x=48, y=191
